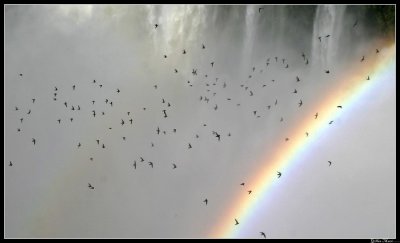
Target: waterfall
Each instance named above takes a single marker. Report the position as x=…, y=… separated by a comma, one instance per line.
x=328, y=21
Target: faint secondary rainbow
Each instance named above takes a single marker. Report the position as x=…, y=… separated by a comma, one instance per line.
x=284, y=157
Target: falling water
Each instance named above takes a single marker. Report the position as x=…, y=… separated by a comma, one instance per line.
x=328, y=21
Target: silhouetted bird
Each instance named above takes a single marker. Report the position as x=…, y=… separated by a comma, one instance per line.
x=330, y=122
x=319, y=37
x=176, y=71
x=98, y=141
x=286, y=139
x=10, y=164
x=131, y=120
x=103, y=146
x=326, y=71
x=236, y=222
x=94, y=81
x=276, y=101
x=165, y=114
x=118, y=90
x=33, y=141
x=307, y=134
x=33, y=100
x=216, y=107
x=20, y=74
x=122, y=122
x=295, y=91
x=307, y=62
x=316, y=115
x=251, y=93
x=151, y=164
x=242, y=184
x=206, y=201
x=287, y=65
x=249, y=191
x=212, y=64
x=59, y=121
x=339, y=106
x=165, y=56
x=79, y=145
x=327, y=36
x=73, y=87
x=184, y=52
x=203, y=46
x=141, y=159
x=18, y=129
x=276, y=59
x=65, y=103
x=155, y=26
x=90, y=186
x=158, y=130
x=263, y=234
x=281, y=119
x=174, y=166
x=134, y=164
x=362, y=59
x=100, y=85
x=16, y=108
x=300, y=103
x=71, y=119
x=368, y=78
x=190, y=146
x=330, y=163
x=29, y=112
x=93, y=102
x=297, y=78
x=377, y=51
x=279, y=174
x=303, y=55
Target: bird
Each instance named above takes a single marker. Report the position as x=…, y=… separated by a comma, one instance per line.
x=176, y=71
x=155, y=26
x=151, y=164
x=279, y=174
x=34, y=141
x=174, y=130
x=319, y=37
x=163, y=101
x=206, y=201
x=134, y=164
x=93, y=102
x=123, y=138
x=98, y=141
x=263, y=234
x=79, y=108
x=122, y=122
x=100, y=85
x=368, y=78
x=103, y=146
x=174, y=166
x=10, y=164
x=377, y=51
x=59, y=121
x=20, y=74
x=303, y=55
x=16, y=108
x=94, y=81
x=330, y=122
x=141, y=159
x=194, y=72
x=79, y=145
x=158, y=130
x=330, y=163
x=242, y=184
x=152, y=144
x=295, y=91
x=91, y=159
x=203, y=46
x=251, y=93
x=165, y=114
x=21, y=119
x=254, y=112
x=212, y=64
x=18, y=129
x=90, y=186
x=307, y=134
x=276, y=101
x=65, y=103
x=327, y=36
x=326, y=71
x=71, y=119
x=236, y=222
x=259, y=9
x=131, y=120
x=281, y=119
x=354, y=25
x=218, y=136
x=316, y=115
x=269, y=107
x=287, y=65
x=33, y=100
x=276, y=59
x=286, y=139
x=118, y=90
x=249, y=191
x=297, y=78
x=190, y=146
x=362, y=59
x=339, y=106
x=55, y=88
x=307, y=62
x=72, y=108
x=301, y=102
x=184, y=52
x=73, y=87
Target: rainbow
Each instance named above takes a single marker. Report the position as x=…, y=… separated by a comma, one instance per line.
x=285, y=157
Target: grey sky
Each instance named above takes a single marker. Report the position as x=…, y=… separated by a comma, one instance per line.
x=46, y=189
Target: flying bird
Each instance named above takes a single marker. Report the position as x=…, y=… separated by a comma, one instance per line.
x=33, y=141
x=330, y=163
x=79, y=145
x=339, y=106
x=176, y=71
x=10, y=164
x=21, y=119
x=165, y=56
x=118, y=90
x=73, y=87
x=307, y=62
x=316, y=115
x=362, y=59
x=279, y=174
x=184, y=52
x=151, y=164
x=307, y=134
x=276, y=101
x=377, y=51
x=155, y=26
x=203, y=46
x=236, y=222
x=319, y=37
x=174, y=166
x=165, y=114
x=212, y=64
x=20, y=74
x=330, y=122
x=141, y=159
x=368, y=78
x=301, y=102
x=158, y=130
x=287, y=65
x=98, y=141
x=190, y=146
x=354, y=25
x=59, y=121
x=134, y=164
x=206, y=201
x=33, y=100
x=90, y=186
x=249, y=191
x=326, y=71
x=242, y=184
x=259, y=9
x=122, y=122
x=327, y=36
x=295, y=91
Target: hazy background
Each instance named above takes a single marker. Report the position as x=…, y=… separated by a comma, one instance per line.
x=46, y=192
